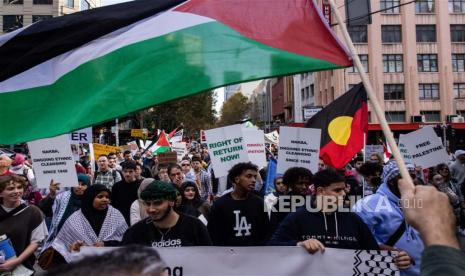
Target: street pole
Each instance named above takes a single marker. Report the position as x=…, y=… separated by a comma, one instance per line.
x=117, y=131
x=372, y=95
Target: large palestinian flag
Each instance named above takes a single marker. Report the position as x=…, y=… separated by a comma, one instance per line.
x=343, y=124
x=78, y=70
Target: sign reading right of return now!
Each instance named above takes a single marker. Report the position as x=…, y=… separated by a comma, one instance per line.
x=298, y=147
x=226, y=147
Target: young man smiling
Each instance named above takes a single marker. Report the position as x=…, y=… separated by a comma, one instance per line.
x=165, y=227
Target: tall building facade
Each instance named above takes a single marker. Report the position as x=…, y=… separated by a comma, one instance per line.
x=19, y=13
x=415, y=57
x=231, y=90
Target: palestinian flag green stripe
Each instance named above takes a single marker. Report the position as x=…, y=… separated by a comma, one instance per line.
x=169, y=67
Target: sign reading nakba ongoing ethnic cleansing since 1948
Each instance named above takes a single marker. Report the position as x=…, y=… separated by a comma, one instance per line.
x=298, y=147
x=53, y=159
x=226, y=147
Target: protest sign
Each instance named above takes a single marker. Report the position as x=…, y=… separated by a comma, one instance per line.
x=425, y=147
x=136, y=132
x=53, y=159
x=100, y=149
x=403, y=150
x=255, y=143
x=274, y=260
x=167, y=157
x=83, y=136
x=180, y=148
x=226, y=147
x=134, y=147
x=370, y=149
x=298, y=147
x=272, y=137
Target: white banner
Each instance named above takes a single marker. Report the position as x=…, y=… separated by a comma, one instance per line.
x=425, y=147
x=82, y=136
x=403, y=150
x=226, y=147
x=272, y=137
x=273, y=260
x=180, y=148
x=298, y=147
x=52, y=159
x=255, y=143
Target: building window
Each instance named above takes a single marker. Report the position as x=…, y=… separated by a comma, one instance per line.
x=459, y=90
x=428, y=91
x=457, y=33
x=458, y=62
x=395, y=116
x=426, y=33
x=424, y=6
x=457, y=6
x=393, y=63
x=13, y=2
x=84, y=5
x=358, y=34
x=393, y=92
x=427, y=62
x=391, y=34
x=69, y=3
x=36, y=18
x=390, y=6
x=364, y=61
x=431, y=116
x=42, y=2
x=12, y=22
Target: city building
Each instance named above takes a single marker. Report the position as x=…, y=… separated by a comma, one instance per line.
x=18, y=13
x=415, y=57
x=231, y=90
x=304, y=97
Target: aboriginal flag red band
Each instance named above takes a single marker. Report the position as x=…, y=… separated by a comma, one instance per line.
x=343, y=124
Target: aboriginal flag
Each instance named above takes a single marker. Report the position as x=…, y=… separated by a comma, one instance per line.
x=343, y=124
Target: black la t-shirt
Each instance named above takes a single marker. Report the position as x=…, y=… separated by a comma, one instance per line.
x=188, y=231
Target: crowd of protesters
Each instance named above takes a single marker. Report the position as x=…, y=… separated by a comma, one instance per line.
x=133, y=199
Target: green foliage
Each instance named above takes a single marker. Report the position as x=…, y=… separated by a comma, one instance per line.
x=234, y=109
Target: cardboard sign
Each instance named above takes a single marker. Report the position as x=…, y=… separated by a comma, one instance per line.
x=298, y=147
x=100, y=149
x=53, y=159
x=180, y=148
x=370, y=149
x=255, y=143
x=83, y=136
x=272, y=137
x=226, y=147
x=137, y=133
x=425, y=147
x=167, y=157
x=403, y=150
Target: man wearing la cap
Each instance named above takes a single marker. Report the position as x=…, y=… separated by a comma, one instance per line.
x=165, y=227
x=457, y=169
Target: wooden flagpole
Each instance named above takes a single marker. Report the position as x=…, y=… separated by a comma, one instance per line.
x=372, y=96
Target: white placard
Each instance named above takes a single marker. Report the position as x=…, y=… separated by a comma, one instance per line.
x=134, y=147
x=180, y=148
x=403, y=150
x=370, y=149
x=83, y=136
x=272, y=137
x=52, y=159
x=274, y=260
x=298, y=147
x=255, y=143
x=425, y=147
x=226, y=147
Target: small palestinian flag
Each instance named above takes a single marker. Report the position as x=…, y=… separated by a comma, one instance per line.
x=343, y=124
x=162, y=144
x=82, y=69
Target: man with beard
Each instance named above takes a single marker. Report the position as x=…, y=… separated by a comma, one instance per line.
x=165, y=227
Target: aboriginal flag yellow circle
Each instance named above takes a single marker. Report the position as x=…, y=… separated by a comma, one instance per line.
x=339, y=129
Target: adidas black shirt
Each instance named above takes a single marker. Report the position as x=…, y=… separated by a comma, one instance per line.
x=188, y=231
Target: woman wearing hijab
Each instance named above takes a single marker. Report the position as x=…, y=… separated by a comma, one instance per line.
x=137, y=211
x=191, y=203
x=61, y=206
x=95, y=224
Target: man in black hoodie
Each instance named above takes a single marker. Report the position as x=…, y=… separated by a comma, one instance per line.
x=325, y=226
x=124, y=192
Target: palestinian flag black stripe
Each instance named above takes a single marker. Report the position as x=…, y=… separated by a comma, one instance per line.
x=343, y=124
x=49, y=38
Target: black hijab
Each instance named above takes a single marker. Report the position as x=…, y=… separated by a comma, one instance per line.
x=94, y=217
x=190, y=206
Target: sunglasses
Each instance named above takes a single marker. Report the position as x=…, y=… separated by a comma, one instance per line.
x=185, y=164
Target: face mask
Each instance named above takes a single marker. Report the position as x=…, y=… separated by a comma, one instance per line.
x=376, y=181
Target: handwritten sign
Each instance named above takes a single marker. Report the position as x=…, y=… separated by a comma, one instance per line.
x=425, y=147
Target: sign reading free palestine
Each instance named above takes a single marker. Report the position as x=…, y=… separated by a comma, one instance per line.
x=226, y=147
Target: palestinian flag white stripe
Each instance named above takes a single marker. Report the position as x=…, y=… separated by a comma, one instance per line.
x=51, y=70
